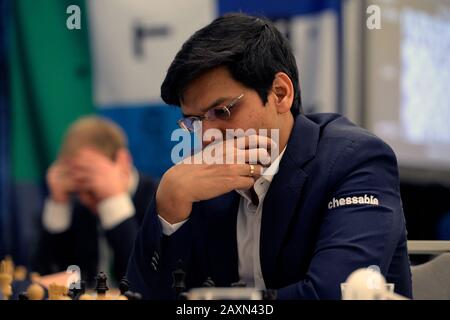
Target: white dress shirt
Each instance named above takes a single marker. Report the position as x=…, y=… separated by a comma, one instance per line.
x=57, y=217
x=248, y=227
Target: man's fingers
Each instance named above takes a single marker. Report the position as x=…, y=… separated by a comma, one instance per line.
x=254, y=141
x=254, y=170
x=240, y=170
x=252, y=156
x=81, y=165
x=246, y=142
x=82, y=177
x=89, y=159
x=71, y=187
x=256, y=156
x=232, y=155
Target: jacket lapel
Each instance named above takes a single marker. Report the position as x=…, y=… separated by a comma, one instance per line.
x=284, y=193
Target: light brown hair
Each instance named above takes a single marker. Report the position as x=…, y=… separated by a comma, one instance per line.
x=99, y=133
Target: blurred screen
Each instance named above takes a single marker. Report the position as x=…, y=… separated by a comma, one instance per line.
x=408, y=81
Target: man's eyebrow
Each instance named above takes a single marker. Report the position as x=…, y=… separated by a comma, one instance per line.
x=212, y=105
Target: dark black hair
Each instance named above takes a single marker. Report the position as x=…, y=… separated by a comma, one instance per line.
x=250, y=47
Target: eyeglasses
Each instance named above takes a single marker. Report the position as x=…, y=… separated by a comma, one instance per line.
x=220, y=112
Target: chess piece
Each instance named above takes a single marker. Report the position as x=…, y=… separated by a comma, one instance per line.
x=101, y=286
x=125, y=293
x=74, y=292
x=124, y=285
x=5, y=280
x=132, y=295
x=35, y=292
x=209, y=283
x=20, y=273
x=137, y=296
x=9, y=265
x=179, y=277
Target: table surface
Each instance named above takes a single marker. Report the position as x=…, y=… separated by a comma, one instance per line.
x=428, y=247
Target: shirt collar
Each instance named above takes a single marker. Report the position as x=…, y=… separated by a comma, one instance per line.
x=272, y=170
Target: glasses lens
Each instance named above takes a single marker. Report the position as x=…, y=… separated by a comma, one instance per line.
x=219, y=113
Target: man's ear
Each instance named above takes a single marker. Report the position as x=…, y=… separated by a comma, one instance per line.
x=282, y=92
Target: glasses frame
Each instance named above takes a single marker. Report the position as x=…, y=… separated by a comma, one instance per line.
x=209, y=115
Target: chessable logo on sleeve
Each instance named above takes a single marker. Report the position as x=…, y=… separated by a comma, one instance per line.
x=346, y=201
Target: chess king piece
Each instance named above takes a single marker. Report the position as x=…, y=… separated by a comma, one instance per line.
x=5, y=280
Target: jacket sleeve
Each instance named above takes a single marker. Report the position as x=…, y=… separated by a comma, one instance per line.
x=122, y=236
x=155, y=257
x=121, y=239
x=363, y=222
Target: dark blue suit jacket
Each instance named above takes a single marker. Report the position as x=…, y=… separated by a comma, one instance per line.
x=320, y=221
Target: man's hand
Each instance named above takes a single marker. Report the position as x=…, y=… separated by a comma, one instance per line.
x=98, y=174
x=60, y=182
x=186, y=183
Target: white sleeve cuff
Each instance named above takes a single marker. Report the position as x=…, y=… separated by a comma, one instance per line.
x=167, y=228
x=115, y=210
x=57, y=217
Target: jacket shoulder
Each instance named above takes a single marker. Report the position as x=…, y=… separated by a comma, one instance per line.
x=340, y=132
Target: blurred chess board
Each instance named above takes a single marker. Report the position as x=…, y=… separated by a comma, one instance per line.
x=16, y=283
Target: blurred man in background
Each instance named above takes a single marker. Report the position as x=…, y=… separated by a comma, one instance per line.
x=94, y=193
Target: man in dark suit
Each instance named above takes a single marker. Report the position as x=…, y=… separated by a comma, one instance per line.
x=326, y=204
x=95, y=194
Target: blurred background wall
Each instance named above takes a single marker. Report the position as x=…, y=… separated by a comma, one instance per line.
x=393, y=79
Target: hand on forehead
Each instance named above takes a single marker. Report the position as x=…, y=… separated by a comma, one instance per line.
x=90, y=153
x=87, y=158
